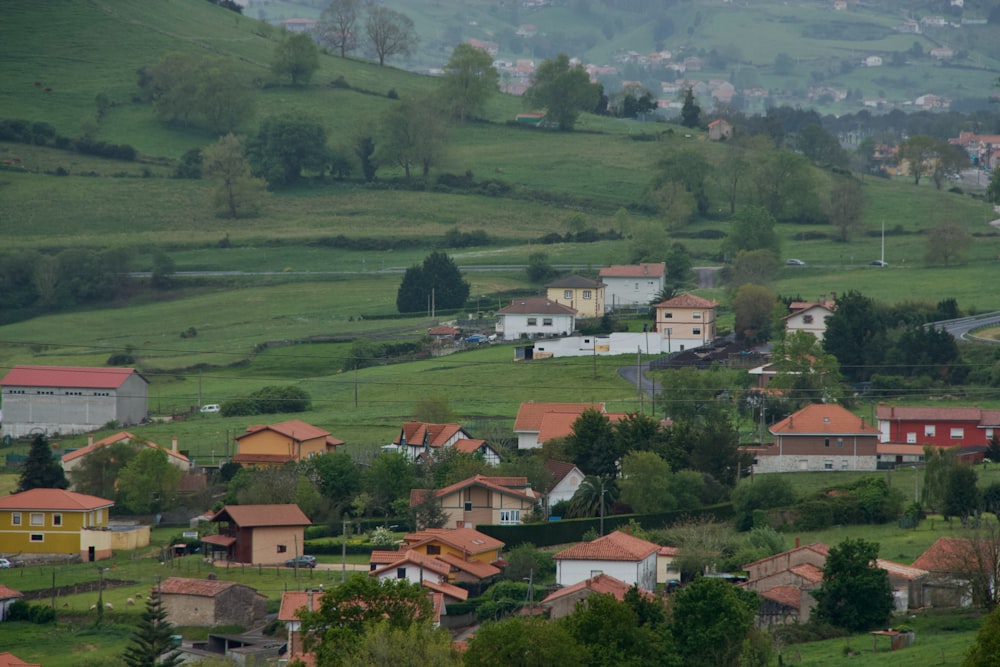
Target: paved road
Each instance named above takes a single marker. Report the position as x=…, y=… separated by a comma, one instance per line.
x=961, y=327
x=631, y=373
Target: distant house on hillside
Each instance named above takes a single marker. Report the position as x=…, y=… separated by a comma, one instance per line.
x=416, y=439
x=624, y=557
x=937, y=426
x=585, y=296
x=483, y=500
x=632, y=284
x=821, y=436
x=686, y=321
x=278, y=444
x=55, y=521
x=259, y=534
x=535, y=317
x=208, y=603
x=71, y=461
x=69, y=399
x=533, y=417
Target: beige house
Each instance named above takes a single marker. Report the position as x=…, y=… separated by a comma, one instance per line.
x=259, y=534
x=484, y=500
x=563, y=601
x=582, y=294
x=720, y=130
x=277, y=444
x=207, y=603
x=686, y=320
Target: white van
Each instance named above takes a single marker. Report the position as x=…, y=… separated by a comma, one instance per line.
x=211, y=407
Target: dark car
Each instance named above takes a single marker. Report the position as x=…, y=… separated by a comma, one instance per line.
x=301, y=561
x=878, y=262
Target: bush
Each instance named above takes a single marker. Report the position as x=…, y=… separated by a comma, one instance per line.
x=32, y=613
x=268, y=400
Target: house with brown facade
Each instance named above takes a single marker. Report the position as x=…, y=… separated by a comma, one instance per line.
x=211, y=602
x=821, y=436
x=278, y=444
x=259, y=534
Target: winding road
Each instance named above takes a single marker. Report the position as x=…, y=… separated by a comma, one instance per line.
x=960, y=328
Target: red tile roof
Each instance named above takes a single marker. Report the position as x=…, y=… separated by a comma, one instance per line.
x=295, y=429
x=9, y=593
x=809, y=572
x=443, y=331
x=602, y=583
x=823, y=419
x=530, y=414
x=500, y=484
x=614, y=546
x=668, y=552
x=263, y=515
x=687, y=301
x=292, y=601
x=786, y=595
x=470, y=446
x=468, y=540
x=902, y=571
x=11, y=660
x=53, y=499
x=449, y=590
x=535, y=305
x=121, y=436
x=436, y=435
x=201, y=587
x=426, y=563
x=947, y=554
x=383, y=556
x=68, y=376
x=476, y=568
x=256, y=459
x=643, y=270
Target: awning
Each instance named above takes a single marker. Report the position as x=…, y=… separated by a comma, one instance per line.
x=219, y=540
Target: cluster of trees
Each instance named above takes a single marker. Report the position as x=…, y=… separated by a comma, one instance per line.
x=389, y=33
x=437, y=284
x=268, y=401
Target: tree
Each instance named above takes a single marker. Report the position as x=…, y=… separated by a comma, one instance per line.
x=237, y=192
x=754, y=306
x=296, y=56
x=98, y=473
x=846, y=208
x=691, y=169
x=539, y=269
x=593, y=494
x=563, y=90
x=339, y=476
x=820, y=146
x=364, y=148
x=615, y=634
x=390, y=33
x=643, y=483
x=785, y=184
x=855, y=593
x=413, y=133
x=961, y=497
x=428, y=513
x=993, y=190
x=389, y=478
x=950, y=161
x=690, y=111
x=526, y=642
x=711, y=621
x=946, y=241
x=337, y=25
x=438, y=279
x=152, y=641
x=41, y=469
x=418, y=644
x=674, y=203
x=855, y=334
x=806, y=373
x=760, y=493
x=715, y=449
x=469, y=80
x=920, y=152
x=753, y=229
x=756, y=267
x=148, y=482
x=986, y=648
x=591, y=445
x=284, y=146
x=354, y=608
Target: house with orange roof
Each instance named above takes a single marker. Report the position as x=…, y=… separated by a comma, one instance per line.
x=415, y=567
x=8, y=596
x=821, y=436
x=721, y=129
x=810, y=316
x=56, y=521
x=562, y=601
x=585, y=296
x=667, y=571
x=465, y=543
x=686, y=321
x=69, y=399
x=478, y=447
x=418, y=439
x=71, y=461
x=532, y=317
x=955, y=571
x=11, y=660
x=484, y=500
x=258, y=534
x=624, y=557
x=632, y=285
x=211, y=602
x=531, y=415
x=278, y=444
x=292, y=604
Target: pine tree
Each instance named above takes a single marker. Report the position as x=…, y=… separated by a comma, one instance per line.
x=41, y=470
x=151, y=639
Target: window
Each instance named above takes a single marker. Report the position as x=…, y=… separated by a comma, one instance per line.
x=828, y=464
x=15, y=518
x=911, y=438
x=667, y=315
x=57, y=519
x=37, y=519
x=989, y=433
x=401, y=573
x=532, y=321
x=957, y=433
x=696, y=331
x=696, y=316
x=930, y=430
x=840, y=442
x=807, y=319
x=468, y=505
x=826, y=442
x=546, y=321
x=37, y=537
x=282, y=548
x=568, y=294
x=843, y=464
x=508, y=517
x=586, y=294
x=433, y=550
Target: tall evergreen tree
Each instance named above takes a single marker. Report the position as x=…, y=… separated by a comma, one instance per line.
x=41, y=470
x=690, y=111
x=440, y=276
x=151, y=643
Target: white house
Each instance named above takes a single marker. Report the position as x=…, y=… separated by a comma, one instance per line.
x=535, y=317
x=537, y=422
x=810, y=317
x=415, y=567
x=620, y=555
x=632, y=284
x=66, y=399
x=566, y=479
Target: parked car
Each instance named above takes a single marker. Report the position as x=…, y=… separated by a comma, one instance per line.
x=4, y=564
x=211, y=407
x=878, y=262
x=476, y=339
x=795, y=262
x=301, y=561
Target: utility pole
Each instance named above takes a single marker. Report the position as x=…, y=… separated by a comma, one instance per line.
x=638, y=375
x=343, y=555
x=602, y=506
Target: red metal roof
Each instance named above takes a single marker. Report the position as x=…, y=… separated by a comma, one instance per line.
x=263, y=515
x=922, y=413
x=614, y=546
x=602, y=583
x=53, y=499
x=68, y=376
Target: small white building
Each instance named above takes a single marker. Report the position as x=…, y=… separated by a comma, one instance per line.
x=535, y=317
x=632, y=284
x=810, y=317
x=622, y=556
x=566, y=479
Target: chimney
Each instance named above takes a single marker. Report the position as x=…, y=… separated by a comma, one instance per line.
x=90, y=440
x=645, y=269
x=796, y=543
x=791, y=422
x=822, y=299
x=173, y=443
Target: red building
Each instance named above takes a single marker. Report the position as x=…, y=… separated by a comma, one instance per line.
x=941, y=427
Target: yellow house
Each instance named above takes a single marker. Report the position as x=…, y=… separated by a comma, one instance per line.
x=582, y=294
x=465, y=543
x=55, y=521
x=686, y=320
x=277, y=444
